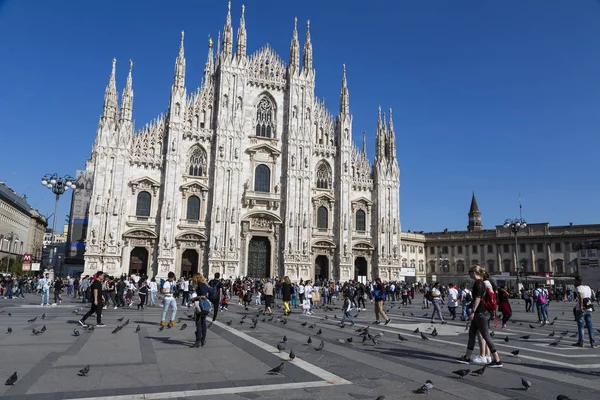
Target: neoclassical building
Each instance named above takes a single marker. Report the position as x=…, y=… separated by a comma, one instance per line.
x=249, y=174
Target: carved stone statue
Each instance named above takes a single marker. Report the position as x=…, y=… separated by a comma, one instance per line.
x=98, y=206
x=231, y=243
x=345, y=221
x=395, y=250
x=93, y=233
x=276, y=188
x=395, y=226
x=111, y=236
x=169, y=210
x=305, y=162
x=218, y=215
x=345, y=249
x=293, y=160
x=233, y=215
x=290, y=246
x=304, y=246
x=116, y=206
x=292, y=220
x=305, y=221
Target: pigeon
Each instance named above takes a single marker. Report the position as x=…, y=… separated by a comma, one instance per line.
x=270, y=319
x=573, y=335
x=479, y=371
x=434, y=333
x=183, y=327
x=425, y=315
x=179, y=320
x=284, y=338
x=12, y=379
x=241, y=322
x=311, y=326
x=137, y=330
x=565, y=333
x=84, y=371
x=412, y=315
x=292, y=355
x=492, y=333
x=44, y=316
x=277, y=370
x=120, y=319
x=526, y=384
x=382, y=397
x=319, y=332
x=555, y=318
x=551, y=323
x=89, y=328
x=551, y=335
x=264, y=320
x=36, y=332
x=162, y=328
x=563, y=397
x=416, y=330
x=321, y=345
x=309, y=341
x=43, y=329
x=554, y=344
x=515, y=352
x=423, y=337
x=526, y=337
x=334, y=317
x=425, y=388
x=349, y=340
x=118, y=328
x=244, y=317
x=531, y=326
x=75, y=311
x=229, y=322
x=304, y=323
x=280, y=347
x=32, y=320
x=462, y=372
x=401, y=338
x=506, y=339
x=127, y=322
x=9, y=314
x=9, y=330
x=245, y=308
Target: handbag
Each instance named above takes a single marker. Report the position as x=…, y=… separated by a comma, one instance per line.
x=202, y=306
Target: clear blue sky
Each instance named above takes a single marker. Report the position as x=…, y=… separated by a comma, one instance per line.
x=500, y=97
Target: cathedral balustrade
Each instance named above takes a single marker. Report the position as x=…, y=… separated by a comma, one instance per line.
x=189, y=223
x=251, y=198
x=138, y=221
x=324, y=150
x=322, y=231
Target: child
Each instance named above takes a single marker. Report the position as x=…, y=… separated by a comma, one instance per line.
x=347, y=307
x=224, y=303
x=257, y=298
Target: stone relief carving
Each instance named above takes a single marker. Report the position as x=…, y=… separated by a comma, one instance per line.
x=261, y=222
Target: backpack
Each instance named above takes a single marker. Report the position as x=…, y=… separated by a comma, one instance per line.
x=469, y=297
x=428, y=296
x=542, y=299
x=489, y=300
x=213, y=292
x=202, y=307
x=379, y=294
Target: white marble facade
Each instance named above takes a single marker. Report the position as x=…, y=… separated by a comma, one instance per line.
x=247, y=175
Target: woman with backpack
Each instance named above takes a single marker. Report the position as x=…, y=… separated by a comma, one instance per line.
x=479, y=318
x=202, y=289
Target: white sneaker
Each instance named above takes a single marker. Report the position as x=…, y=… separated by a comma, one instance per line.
x=488, y=359
x=115, y=308
x=479, y=360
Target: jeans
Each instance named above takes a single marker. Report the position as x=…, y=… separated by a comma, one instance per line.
x=466, y=310
x=84, y=295
x=527, y=305
x=294, y=301
x=201, y=330
x=348, y=317
x=452, y=310
x=215, y=304
x=169, y=301
x=185, y=298
x=585, y=318
x=152, y=297
x=542, y=312
x=69, y=290
x=437, y=308
x=480, y=324
x=46, y=295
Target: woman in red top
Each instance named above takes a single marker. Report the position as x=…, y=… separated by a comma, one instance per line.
x=504, y=305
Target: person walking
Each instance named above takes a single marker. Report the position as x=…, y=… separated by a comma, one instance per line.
x=452, y=300
x=45, y=283
x=436, y=295
x=202, y=289
x=153, y=290
x=379, y=294
x=527, y=298
x=142, y=293
x=540, y=294
x=58, y=286
x=583, y=312
x=96, y=300
x=346, y=308
x=504, y=305
x=286, y=291
x=479, y=319
x=217, y=293
x=168, y=290
x=268, y=292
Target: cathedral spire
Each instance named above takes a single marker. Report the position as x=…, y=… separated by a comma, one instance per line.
x=392, y=138
x=228, y=33
x=208, y=67
x=127, y=100
x=380, y=138
x=109, y=110
x=295, y=48
x=308, y=54
x=344, y=97
x=179, y=81
x=475, y=223
x=219, y=43
x=240, y=50
x=364, y=143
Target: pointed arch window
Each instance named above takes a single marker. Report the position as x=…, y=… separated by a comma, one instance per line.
x=262, y=179
x=361, y=223
x=197, y=162
x=322, y=218
x=265, y=118
x=143, y=204
x=193, y=208
x=323, y=176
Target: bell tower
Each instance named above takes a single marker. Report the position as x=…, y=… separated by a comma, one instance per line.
x=474, y=216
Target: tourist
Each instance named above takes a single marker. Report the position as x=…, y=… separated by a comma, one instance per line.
x=168, y=300
x=268, y=292
x=286, y=291
x=218, y=292
x=202, y=288
x=379, y=294
x=153, y=289
x=504, y=305
x=346, y=309
x=96, y=300
x=44, y=285
x=452, y=300
x=436, y=295
x=583, y=311
x=142, y=293
x=541, y=296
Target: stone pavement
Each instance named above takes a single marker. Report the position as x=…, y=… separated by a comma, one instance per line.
x=234, y=364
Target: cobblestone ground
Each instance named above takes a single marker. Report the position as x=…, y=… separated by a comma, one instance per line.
x=234, y=363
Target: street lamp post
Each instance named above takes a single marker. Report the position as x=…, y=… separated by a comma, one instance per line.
x=515, y=225
x=58, y=185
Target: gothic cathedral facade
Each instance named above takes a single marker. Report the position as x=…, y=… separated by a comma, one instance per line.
x=249, y=175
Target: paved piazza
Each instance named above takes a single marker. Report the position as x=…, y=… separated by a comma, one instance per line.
x=155, y=364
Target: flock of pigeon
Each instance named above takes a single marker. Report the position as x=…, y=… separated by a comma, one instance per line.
x=365, y=335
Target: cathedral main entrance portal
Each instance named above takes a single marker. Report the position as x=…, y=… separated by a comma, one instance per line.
x=189, y=263
x=360, y=269
x=138, y=262
x=259, y=257
x=322, y=268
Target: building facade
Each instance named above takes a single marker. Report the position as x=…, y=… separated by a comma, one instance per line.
x=35, y=236
x=249, y=174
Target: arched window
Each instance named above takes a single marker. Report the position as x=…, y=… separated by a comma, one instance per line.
x=361, y=224
x=420, y=265
x=144, y=201
x=404, y=263
x=197, y=162
x=460, y=267
x=193, y=208
x=323, y=176
x=262, y=179
x=322, y=217
x=265, y=121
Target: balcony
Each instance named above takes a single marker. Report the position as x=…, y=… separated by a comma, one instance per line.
x=322, y=232
x=271, y=199
x=191, y=224
x=138, y=221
